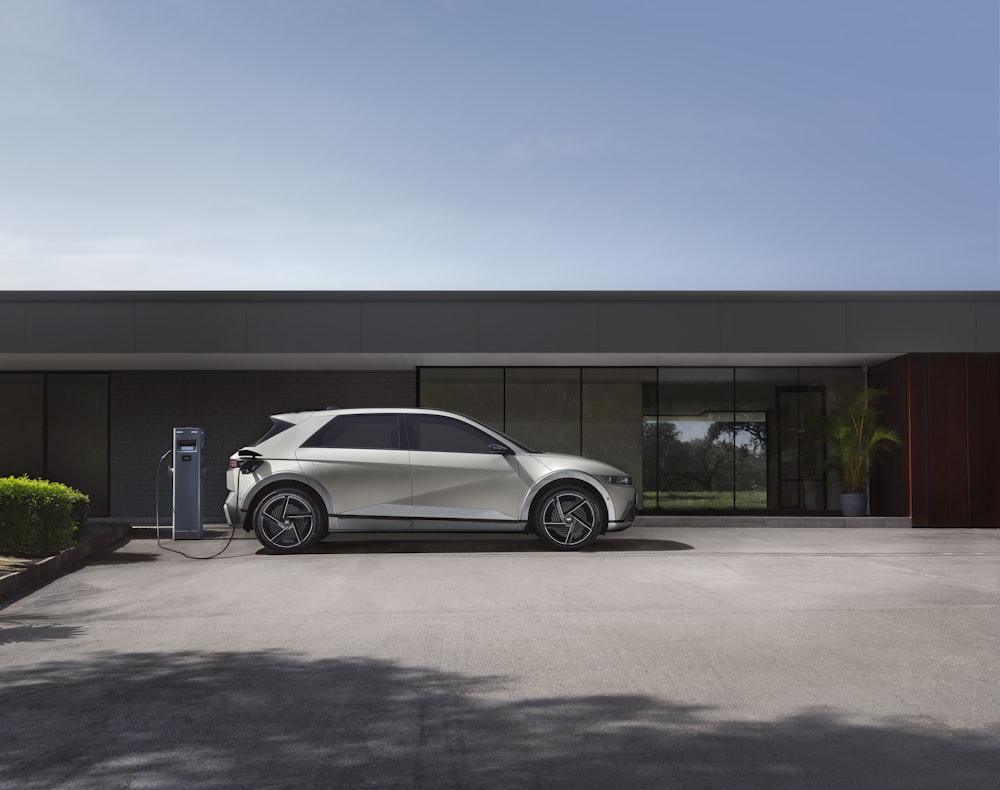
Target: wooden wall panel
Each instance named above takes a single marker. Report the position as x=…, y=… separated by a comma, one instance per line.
x=993, y=429
x=916, y=440
x=953, y=439
x=979, y=441
x=985, y=435
x=948, y=440
x=937, y=441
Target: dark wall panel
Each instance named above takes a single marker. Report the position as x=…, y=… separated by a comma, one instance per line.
x=689, y=327
x=763, y=326
x=993, y=438
x=937, y=441
x=954, y=406
x=573, y=322
x=988, y=327
x=890, y=483
x=22, y=402
x=92, y=326
x=191, y=327
x=897, y=326
x=979, y=445
x=984, y=439
x=957, y=427
x=321, y=327
x=418, y=326
x=916, y=440
x=233, y=408
x=532, y=326
x=948, y=440
x=76, y=436
x=13, y=330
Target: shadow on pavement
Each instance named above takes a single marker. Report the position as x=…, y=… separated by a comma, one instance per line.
x=640, y=544
x=274, y=719
x=520, y=544
x=123, y=558
x=37, y=633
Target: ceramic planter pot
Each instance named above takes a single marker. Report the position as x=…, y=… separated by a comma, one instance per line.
x=854, y=505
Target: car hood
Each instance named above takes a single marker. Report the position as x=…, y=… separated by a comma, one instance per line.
x=556, y=462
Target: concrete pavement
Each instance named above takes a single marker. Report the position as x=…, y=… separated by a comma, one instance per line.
x=667, y=657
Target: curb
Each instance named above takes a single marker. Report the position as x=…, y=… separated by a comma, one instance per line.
x=167, y=533
x=44, y=571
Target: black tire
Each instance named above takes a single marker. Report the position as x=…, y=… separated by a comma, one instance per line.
x=568, y=518
x=288, y=520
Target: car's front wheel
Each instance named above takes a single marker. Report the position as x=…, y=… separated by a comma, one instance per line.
x=569, y=518
x=288, y=521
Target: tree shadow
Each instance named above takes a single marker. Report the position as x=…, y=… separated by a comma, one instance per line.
x=37, y=633
x=275, y=719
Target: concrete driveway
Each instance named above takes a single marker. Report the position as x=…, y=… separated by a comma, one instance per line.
x=667, y=657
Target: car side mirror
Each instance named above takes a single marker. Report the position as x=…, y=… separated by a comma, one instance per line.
x=500, y=449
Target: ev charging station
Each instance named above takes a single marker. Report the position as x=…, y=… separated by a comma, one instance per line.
x=188, y=448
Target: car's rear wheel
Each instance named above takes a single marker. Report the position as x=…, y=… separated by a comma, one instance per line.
x=569, y=518
x=288, y=520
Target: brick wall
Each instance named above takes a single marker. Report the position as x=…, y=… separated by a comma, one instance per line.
x=233, y=408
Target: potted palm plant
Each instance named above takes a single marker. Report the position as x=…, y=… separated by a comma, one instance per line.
x=855, y=440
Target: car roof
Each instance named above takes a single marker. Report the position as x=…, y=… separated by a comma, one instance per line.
x=301, y=416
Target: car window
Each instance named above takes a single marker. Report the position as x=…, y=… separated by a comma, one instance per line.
x=277, y=426
x=360, y=432
x=434, y=433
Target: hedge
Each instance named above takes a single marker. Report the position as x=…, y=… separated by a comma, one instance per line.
x=39, y=518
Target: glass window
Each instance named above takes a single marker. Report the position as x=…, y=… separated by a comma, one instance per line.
x=756, y=427
x=543, y=408
x=22, y=402
x=801, y=477
x=708, y=439
x=824, y=488
x=474, y=392
x=433, y=433
x=613, y=417
x=695, y=436
x=277, y=426
x=359, y=432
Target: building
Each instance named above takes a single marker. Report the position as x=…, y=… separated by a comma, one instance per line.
x=700, y=396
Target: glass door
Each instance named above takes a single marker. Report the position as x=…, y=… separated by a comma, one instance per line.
x=801, y=478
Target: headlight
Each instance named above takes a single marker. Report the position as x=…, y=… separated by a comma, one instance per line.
x=617, y=480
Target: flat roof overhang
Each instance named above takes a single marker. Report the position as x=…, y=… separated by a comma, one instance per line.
x=402, y=330
x=293, y=361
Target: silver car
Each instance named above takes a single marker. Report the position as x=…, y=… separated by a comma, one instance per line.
x=391, y=470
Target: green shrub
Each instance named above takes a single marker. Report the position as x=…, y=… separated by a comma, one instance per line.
x=39, y=518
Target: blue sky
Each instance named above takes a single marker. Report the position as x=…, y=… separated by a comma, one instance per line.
x=500, y=144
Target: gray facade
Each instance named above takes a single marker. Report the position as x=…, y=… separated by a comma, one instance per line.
x=226, y=361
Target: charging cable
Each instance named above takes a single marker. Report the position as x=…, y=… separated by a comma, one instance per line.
x=232, y=534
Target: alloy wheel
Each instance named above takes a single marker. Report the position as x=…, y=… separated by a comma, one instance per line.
x=286, y=521
x=569, y=519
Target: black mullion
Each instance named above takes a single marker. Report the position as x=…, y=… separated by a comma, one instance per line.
x=733, y=448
